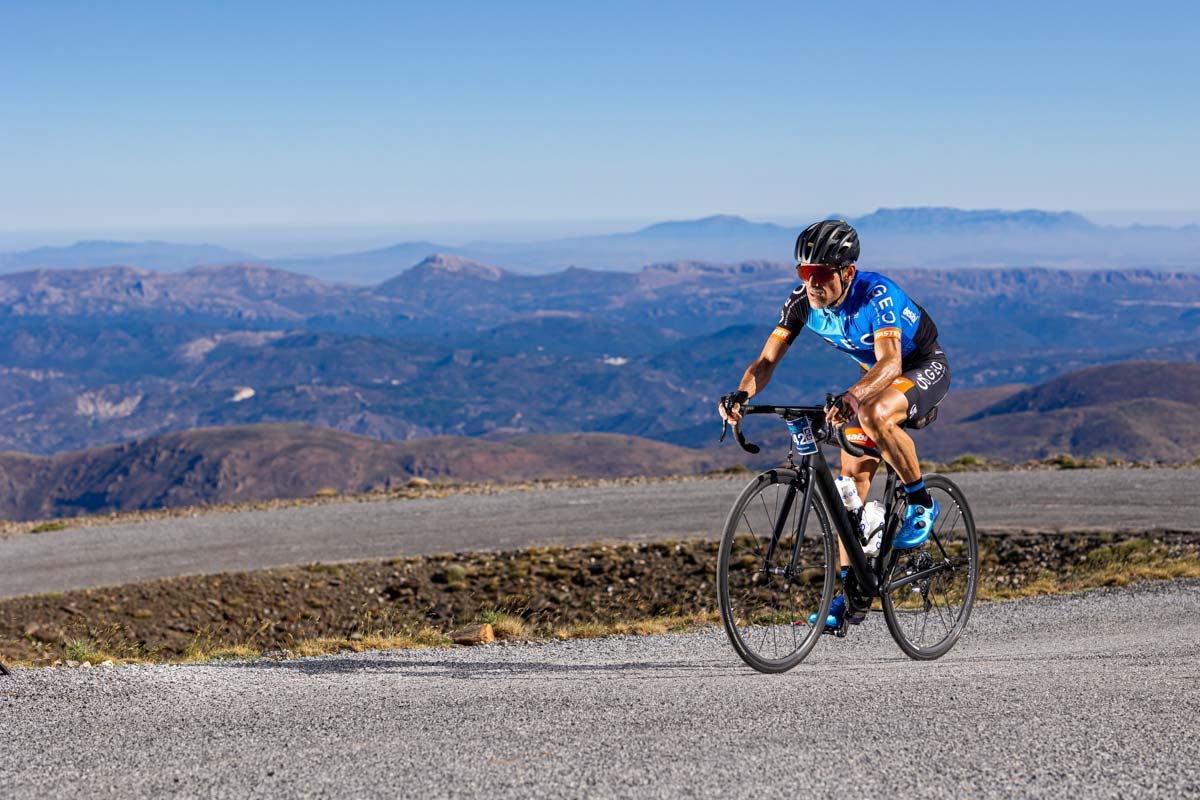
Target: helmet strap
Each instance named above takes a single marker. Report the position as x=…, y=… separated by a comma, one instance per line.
x=845, y=288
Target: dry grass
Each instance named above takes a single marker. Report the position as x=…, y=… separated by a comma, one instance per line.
x=507, y=625
x=643, y=627
x=421, y=639
x=109, y=644
x=204, y=647
x=1123, y=564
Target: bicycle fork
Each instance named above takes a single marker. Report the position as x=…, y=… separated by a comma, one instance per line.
x=789, y=499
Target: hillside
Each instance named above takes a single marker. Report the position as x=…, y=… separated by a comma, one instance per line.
x=1147, y=411
x=260, y=462
x=1134, y=411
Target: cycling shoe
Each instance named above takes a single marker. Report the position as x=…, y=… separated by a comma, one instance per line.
x=837, y=613
x=918, y=522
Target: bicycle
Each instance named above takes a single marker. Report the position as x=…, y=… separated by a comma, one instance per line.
x=778, y=557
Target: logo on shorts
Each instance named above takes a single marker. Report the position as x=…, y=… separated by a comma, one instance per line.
x=912, y=412
x=931, y=375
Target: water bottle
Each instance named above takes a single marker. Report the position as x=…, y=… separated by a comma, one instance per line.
x=871, y=527
x=849, y=492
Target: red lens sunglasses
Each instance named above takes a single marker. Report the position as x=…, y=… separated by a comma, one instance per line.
x=817, y=273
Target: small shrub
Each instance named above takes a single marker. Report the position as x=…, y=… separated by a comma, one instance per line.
x=967, y=461
x=506, y=625
x=110, y=644
x=1063, y=461
x=452, y=574
x=47, y=527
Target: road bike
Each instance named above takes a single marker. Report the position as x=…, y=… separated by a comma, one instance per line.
x=778, y=560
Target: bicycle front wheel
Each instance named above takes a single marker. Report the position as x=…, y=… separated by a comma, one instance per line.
x=929, y=590
x=775, y=567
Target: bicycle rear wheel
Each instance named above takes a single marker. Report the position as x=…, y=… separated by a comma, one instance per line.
x=776, y=565
x=929, y=590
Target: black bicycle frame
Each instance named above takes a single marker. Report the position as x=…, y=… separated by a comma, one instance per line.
x=814, y=468
x=817, y=468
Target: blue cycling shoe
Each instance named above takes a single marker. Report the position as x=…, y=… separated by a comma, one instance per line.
x=837, y=611
x=918, y=522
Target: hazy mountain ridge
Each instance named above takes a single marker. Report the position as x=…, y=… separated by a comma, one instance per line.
x=901, y=237
x=920, y=237
x=163, y=256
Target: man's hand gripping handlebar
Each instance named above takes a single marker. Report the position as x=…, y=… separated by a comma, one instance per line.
x=731, y=411
x=733, y=407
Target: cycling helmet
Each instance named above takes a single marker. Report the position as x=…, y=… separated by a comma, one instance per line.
x=830, y=242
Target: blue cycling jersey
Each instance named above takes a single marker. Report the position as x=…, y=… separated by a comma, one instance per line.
x=874, y=308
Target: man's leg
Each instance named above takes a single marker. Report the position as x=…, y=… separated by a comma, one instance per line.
x=880, y=417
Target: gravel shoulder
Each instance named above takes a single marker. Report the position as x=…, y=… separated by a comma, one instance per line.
x=623, y=511
x=1087, y=695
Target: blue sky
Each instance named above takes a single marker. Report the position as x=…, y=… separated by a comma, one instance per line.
x=123, y=116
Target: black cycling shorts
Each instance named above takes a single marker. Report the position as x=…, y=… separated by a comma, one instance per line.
x=924, y=384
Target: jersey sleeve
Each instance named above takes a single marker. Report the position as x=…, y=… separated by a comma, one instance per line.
x=886, y=301
x=793, y=317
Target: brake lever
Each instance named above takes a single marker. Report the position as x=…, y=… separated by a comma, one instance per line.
x=741, y=440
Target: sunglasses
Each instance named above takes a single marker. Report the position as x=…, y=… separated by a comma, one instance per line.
x=817, y=273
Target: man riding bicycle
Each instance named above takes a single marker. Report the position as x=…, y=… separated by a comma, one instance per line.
x=905, y=374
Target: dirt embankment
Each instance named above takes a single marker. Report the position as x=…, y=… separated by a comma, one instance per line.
x=547, y=587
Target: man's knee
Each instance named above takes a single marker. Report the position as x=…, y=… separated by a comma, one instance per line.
x=873, y=417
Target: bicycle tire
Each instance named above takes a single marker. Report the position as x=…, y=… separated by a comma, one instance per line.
x=926, y=627
x=765, y=598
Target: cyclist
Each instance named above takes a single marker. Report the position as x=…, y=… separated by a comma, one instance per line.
x=905, y=374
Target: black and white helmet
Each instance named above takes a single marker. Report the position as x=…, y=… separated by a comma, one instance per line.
x=830, y=242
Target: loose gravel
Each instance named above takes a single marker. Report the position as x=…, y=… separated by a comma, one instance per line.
x=1092, y=695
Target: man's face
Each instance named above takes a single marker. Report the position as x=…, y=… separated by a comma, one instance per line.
x=824, y=284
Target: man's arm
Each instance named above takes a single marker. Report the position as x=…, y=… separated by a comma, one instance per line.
x=888, y=357
x=758, y=374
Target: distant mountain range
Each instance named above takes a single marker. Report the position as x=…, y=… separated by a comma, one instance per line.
x=1132, y=411
x=161, y=256
x=892, y=238
x=454, y=347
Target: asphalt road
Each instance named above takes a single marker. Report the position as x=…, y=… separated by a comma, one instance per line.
x=1093, y=695
x=124, y=553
